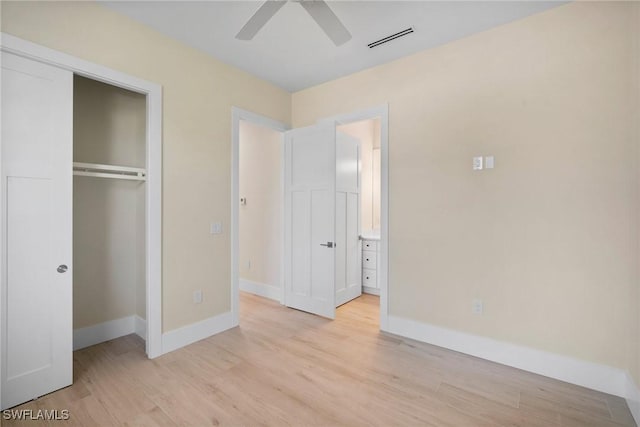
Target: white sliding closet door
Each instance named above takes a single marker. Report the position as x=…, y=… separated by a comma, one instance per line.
x=36, y=210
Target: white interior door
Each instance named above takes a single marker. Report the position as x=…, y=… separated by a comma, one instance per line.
x=36, y=209
x=310, y=184
x=348, y=271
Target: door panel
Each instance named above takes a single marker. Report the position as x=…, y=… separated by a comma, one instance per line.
x=322, y=257
x=310, y=166
x=354, y=264
x=348, y=271
x=341, y=245
x=36, y=207
x=29, y=237
x=347, y=163
x=310, y=220
x=300, y=283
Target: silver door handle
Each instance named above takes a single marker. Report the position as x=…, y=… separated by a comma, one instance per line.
x=328, y=244
x=62, y=268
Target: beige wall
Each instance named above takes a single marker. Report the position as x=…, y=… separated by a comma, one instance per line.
x=198, y=93
x=549, y=238
x=108, y=239
x=260, y=220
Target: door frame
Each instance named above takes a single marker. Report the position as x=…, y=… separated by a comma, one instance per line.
x=381, y=112
x=238, y=114
x=153, y=93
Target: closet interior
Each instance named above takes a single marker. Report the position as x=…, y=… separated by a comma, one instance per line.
x=109, y=212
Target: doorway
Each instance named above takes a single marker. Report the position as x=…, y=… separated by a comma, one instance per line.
x=379, y=117
x=367, y=132
x=256, y=207
x=260, y=213
x=327, y=126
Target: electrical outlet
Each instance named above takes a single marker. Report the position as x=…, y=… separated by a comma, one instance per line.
x=489, y=162
x=477, y=306
x=215, y=228
x=197, y=296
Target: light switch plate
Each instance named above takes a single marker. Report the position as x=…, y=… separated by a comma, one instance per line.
x=477, y=163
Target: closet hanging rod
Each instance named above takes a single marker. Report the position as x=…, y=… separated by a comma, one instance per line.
x=109, y=171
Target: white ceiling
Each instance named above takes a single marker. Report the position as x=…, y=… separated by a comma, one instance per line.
x=292, y=52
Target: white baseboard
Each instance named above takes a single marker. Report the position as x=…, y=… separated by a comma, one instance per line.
x=261, y=289
x=189, y=334
x=372, y=291
x=633, y=398
x=575, y=371
x=105, y=331
x=140, y=327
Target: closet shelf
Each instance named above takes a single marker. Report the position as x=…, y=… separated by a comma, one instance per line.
x=109, y=171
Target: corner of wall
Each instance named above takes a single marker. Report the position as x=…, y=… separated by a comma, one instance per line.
x=595, y=376
x=181, y=337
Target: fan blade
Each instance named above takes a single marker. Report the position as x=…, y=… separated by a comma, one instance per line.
x=259, y=19
x=327, y=20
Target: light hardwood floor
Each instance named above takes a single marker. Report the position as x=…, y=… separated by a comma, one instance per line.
x=284, y=367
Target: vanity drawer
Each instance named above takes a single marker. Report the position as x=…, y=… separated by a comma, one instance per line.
x=369, y=260
x=369, y=278
x=369, y=245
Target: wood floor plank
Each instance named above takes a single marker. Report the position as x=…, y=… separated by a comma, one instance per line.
x=492, y=411
x=284, y=367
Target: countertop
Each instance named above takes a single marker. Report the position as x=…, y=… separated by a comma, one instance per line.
x=370, y=235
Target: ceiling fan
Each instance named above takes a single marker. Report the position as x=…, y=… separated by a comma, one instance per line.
x=317, y=9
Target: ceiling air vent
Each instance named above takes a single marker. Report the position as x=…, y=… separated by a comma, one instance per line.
x=391, y=37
